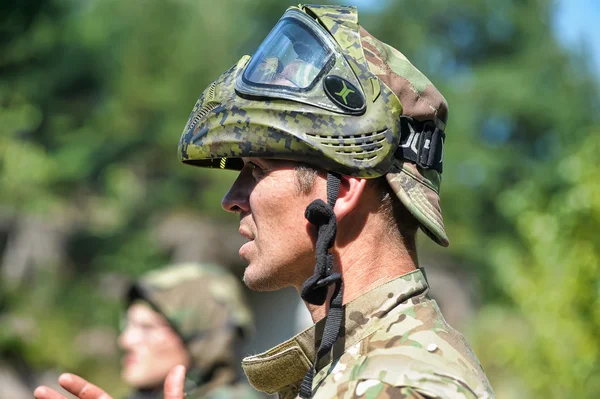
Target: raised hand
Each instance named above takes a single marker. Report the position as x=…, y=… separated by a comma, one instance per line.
x=73, y=384
x=83, y=389
x=174, y=383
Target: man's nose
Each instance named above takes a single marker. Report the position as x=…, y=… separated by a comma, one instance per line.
x=237, y=198
x=128, y=338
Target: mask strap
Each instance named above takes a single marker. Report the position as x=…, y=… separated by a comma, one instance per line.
x=314, y=290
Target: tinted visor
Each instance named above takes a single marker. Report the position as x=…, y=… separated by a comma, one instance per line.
x=292, y=63
x=292, y=57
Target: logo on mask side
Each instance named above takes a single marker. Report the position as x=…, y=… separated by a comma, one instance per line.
x=344, y=94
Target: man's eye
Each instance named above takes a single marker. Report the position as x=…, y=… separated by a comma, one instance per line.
x=258, y=173
x=256, y=170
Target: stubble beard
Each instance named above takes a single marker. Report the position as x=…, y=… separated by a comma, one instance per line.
x=266, y=277
x=261, y=280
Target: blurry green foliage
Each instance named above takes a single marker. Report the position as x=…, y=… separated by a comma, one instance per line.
x=93, y=96
x=550, y=334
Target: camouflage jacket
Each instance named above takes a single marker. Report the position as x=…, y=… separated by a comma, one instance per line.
x=396, y=345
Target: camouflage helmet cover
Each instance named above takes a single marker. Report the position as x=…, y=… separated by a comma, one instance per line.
x=230, y=121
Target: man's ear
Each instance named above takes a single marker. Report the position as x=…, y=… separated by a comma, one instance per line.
x=351, y=190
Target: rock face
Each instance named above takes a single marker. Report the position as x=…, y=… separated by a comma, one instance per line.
x=453, y=289
x=32, y=244
x=97, y=343
x=189, y=237
x=11, y=385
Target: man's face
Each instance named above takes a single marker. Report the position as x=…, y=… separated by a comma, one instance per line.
x=151, y=348
x=280, y=250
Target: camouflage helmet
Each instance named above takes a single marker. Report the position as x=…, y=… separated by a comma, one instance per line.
x=203, y=303
x=322, y=91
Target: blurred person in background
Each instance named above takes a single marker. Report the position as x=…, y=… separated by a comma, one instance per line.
x=190, y=314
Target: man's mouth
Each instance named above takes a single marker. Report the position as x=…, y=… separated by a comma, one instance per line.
x=129, y=360
x=244, y=232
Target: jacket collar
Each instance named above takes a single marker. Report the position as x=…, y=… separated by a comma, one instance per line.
x=283, y=367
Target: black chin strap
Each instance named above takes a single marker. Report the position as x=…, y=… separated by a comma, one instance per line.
x=314, y=290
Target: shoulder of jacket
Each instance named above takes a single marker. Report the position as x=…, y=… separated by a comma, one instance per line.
x=427, y=360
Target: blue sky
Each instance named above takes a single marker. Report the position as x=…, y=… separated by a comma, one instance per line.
x=577, y=22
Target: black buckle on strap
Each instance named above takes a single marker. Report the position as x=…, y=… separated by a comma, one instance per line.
x=326, y=281
x=421, y=142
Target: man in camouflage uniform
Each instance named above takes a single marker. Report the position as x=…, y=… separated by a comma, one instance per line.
x=204, y=309
x=327, y=118
x=188, y=314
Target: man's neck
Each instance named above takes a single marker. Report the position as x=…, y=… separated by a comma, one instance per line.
x=367, y=262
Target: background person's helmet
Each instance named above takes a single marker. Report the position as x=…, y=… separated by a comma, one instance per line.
x=204, y=304
x=321, y=90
